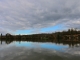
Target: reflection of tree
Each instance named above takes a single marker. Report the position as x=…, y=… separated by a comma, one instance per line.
x=7, y=42
x=71, y=44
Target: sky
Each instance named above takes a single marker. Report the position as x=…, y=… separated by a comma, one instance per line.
x=38, y=16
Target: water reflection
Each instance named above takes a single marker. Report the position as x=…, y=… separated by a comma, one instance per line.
x=38, y=50
x=69, y=43
x=41, y=45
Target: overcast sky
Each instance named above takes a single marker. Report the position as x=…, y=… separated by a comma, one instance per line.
x=38, y=16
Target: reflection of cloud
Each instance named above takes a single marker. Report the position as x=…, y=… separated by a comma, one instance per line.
x=22, y=53
x=49, y=46
x=76, y=52
x=73, y=51
x=4, y=45
x=29, y=14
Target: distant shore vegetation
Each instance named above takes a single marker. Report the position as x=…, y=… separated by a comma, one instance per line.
x=69, y=35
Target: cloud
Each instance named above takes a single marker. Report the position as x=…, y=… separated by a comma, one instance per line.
x=32, y=14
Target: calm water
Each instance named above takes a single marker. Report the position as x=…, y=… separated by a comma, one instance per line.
x=38, y=51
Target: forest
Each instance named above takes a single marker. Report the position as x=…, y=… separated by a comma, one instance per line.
x=69, y=35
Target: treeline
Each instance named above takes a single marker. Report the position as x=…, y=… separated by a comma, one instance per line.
x=64, y=35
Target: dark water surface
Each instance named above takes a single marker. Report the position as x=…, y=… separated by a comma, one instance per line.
x=38, y=51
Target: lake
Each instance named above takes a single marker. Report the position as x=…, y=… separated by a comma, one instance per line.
x=27, y=50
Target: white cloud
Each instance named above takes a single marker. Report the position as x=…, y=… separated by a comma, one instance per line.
x=32, y=14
